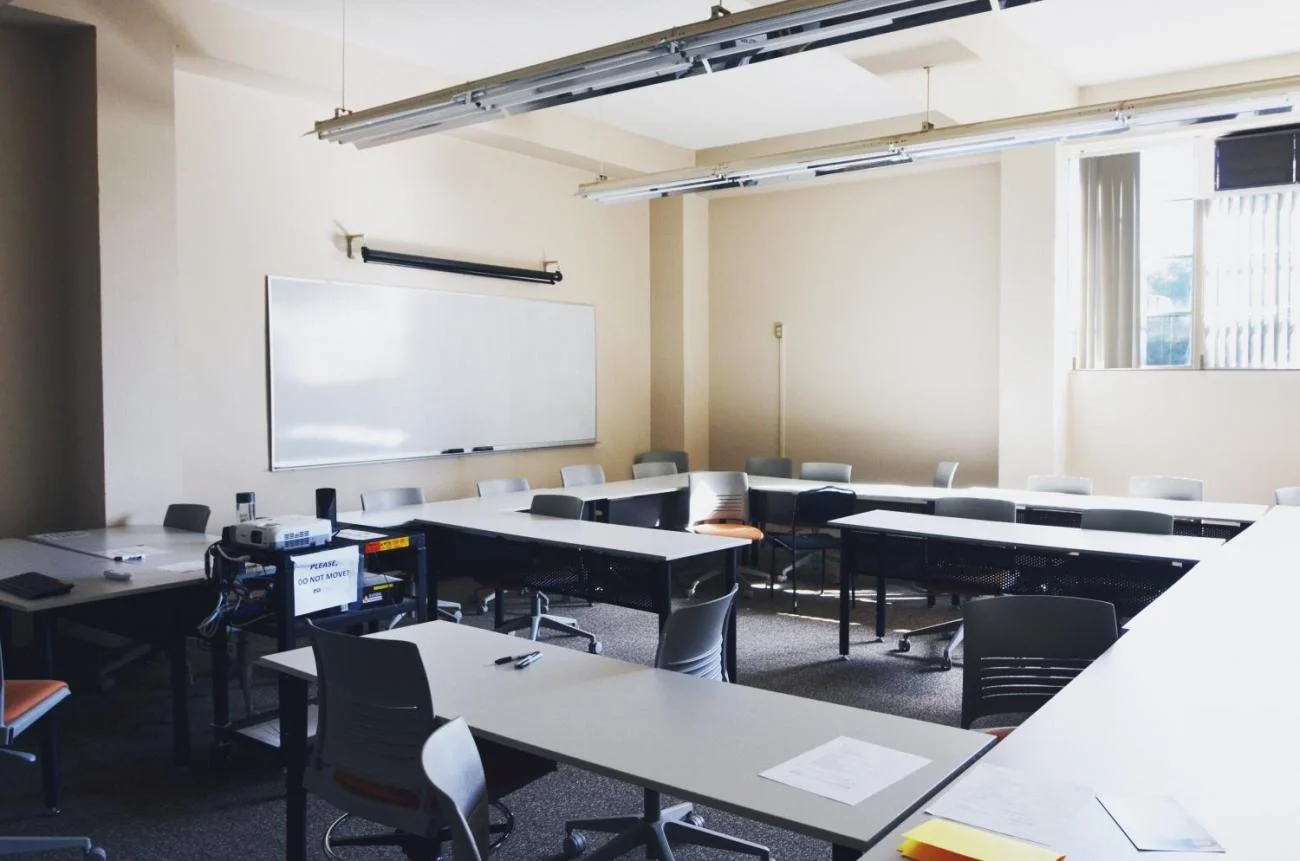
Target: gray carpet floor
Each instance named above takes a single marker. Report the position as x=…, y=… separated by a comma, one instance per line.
x=121, y=789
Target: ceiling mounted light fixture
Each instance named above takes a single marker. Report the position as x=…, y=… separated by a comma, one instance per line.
x=1156, y=113
x=705, y=47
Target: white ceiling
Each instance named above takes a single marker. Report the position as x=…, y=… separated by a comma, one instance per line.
x=1024, y=60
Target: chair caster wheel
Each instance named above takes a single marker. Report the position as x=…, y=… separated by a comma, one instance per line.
x=457, y=616
x=694, y=818
x=595, y=647
x=483, y=609
x=945, y=664
x=54, y=811
x=574, y=845
x=904, y=646
x=690, y=590
x=96, y=852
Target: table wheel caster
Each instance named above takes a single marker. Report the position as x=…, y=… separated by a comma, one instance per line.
x=904, y=646
x=574, y=844
x=595, y=647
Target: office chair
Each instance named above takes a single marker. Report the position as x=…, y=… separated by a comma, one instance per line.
x=500, y=486
x=1022, y=649
x=1166, y=487
x=454, y=774
x=654, y=468
x=773, y=467
x=691, y=643
x=826, y=471
x=23, y=703
x=376, y=712
x=1287, y=496
x=945, y=473
x=968, y=570
x=582, y=474
x=679, y=459
x=397, y=497
x=718, y=504
x=391, y=497
x=813, y=511
x=557, y=558
x=187, y=516
x=1061, y=484
x=1128, y=584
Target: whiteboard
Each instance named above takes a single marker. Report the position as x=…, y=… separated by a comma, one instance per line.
x=361, y=372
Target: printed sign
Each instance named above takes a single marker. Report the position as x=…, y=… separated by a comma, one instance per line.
x=325, y=579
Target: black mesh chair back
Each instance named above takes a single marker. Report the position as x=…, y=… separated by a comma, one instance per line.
x=187, y=516
x=1022, y=649
x=557, y=505
x=679, y=459
x=390, y=498
x=454, y=772
x=693, y=636
x=1125, y=520
x=813, y=509
x=498, y=486
x=945, y=473
x=772, y=467
x=976, y=508
x=376, y=709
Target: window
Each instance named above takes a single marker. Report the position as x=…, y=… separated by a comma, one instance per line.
x=1173, y=281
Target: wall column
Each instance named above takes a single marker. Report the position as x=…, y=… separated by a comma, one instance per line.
x=679, y=326
x=1033, y=317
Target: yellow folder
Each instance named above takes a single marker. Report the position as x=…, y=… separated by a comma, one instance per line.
x=941, y=840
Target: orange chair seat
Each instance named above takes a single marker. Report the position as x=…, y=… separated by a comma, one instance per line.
x=23, y=695
x=382, y=792
x=729, y=530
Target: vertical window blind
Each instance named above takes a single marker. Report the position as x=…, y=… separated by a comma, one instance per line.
x=1252, y=280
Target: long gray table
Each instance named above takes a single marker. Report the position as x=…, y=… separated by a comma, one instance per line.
x=1181, y=707
x=90, y=587
x=692, y=738
x=1182, y=549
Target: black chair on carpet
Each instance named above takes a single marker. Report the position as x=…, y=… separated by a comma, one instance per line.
x=1022, y=649
x=376, y=713
x=965, y=570
x=691, y=643
x=809, y=533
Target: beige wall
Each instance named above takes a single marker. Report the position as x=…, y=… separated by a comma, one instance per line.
x=888, y=290
x=48, y=413
x=1236, y=430
x=255, y=197
x=679, y=327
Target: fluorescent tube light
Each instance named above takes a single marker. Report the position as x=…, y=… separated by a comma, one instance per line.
x=706, y=47
x=1169, y=111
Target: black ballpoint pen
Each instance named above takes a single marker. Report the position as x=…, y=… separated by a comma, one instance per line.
x=510, y=659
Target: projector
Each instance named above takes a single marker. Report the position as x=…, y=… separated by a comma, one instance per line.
x=291, y=532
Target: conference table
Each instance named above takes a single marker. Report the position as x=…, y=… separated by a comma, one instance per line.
x=626, y=566
x=866, y=534
x=1175, y=708
x=177, y=566
x=662, y=731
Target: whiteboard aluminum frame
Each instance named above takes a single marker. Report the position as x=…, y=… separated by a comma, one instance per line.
x=496, y=449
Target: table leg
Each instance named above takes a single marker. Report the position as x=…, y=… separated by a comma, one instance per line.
x=220, y=684
x=43, y=632
x=180, y=679
x=731, y=574
x=848, y=571
x=293, y=744
x=844, y=853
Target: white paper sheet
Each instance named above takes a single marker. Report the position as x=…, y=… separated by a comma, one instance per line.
x=60, y=536
x=132, y=553
x=327, y=578
x=846, y=770
x=359, y=535
x=1013, y=803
